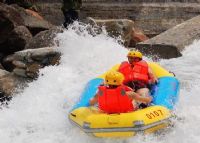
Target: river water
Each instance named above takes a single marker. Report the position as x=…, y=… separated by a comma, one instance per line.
x=39, y=113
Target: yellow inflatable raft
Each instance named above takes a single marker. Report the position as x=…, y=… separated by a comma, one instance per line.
x=151, y=119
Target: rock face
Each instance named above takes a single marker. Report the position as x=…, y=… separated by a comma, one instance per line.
x=10, y=84
x=152, y=16
x=27, y=63
x=116, y=28
x=14, y=35
x=19, y=37
x=9, y=19
x=44, y=38
x=33, y=21
x=123, y=28
x=137, y=36
x=17, y=27
x=24, y=67
x=7, y=84
x=170, y=43
x=51, y=11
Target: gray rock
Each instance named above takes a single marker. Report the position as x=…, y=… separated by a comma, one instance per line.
x=44, y=39
x=19, y=64
x=170, y=43
x=33, y=69
x=34, y=24
x=10, y=83
x=116, y=27
x=51, y=11
x=3, y=72
x=20, y=72
x=27, y=63
x=152, y=16
x=17, y=40
x=9, y=19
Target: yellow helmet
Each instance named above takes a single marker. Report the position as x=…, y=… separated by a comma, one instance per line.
x=135, y=54
x=114, y=78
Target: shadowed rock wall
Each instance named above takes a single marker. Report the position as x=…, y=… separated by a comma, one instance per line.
x=51, y=10
x=153, y=16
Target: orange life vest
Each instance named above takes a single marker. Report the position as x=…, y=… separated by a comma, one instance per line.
x=138, y=73
x=114, y=100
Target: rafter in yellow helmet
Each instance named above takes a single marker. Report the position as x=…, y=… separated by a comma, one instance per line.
x=135, y=54
x=114, y=78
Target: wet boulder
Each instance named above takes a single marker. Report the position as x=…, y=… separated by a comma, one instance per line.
x=33, y=21
x=9, y=19
x=170, y=43
x=137, y=36
x=10, y=84
x=27, y=63
x=123, y=28
x=115, y=28
x=17, y=40
x=3, y=72
x=44, y=38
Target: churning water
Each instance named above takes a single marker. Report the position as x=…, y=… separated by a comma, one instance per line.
x=39, y=113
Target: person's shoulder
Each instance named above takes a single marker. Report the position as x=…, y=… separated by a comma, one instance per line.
x=124, y=62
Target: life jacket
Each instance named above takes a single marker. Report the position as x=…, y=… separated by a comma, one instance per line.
x=114, y=100
x=138, y=73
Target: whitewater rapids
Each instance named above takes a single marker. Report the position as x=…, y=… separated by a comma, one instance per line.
x=39, y=113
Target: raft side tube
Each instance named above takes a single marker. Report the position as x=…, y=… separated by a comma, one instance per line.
x=159, y=71
x=166, y=92
x=88, y=92
x=146, y=120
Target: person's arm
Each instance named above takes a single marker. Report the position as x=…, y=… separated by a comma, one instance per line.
x=135, y=96
x=94, y=100
x=152, y=76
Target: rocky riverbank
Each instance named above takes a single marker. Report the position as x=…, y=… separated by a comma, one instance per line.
x=153, y=16
x=27, y=44
x=22, y=32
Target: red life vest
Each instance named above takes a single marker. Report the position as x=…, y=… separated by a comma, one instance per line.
x=114, y=100
x=138, y=73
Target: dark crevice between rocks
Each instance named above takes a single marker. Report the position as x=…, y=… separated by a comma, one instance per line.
x=4, y=100
x=34, y=31
x=7, y=65
x=6, y=26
